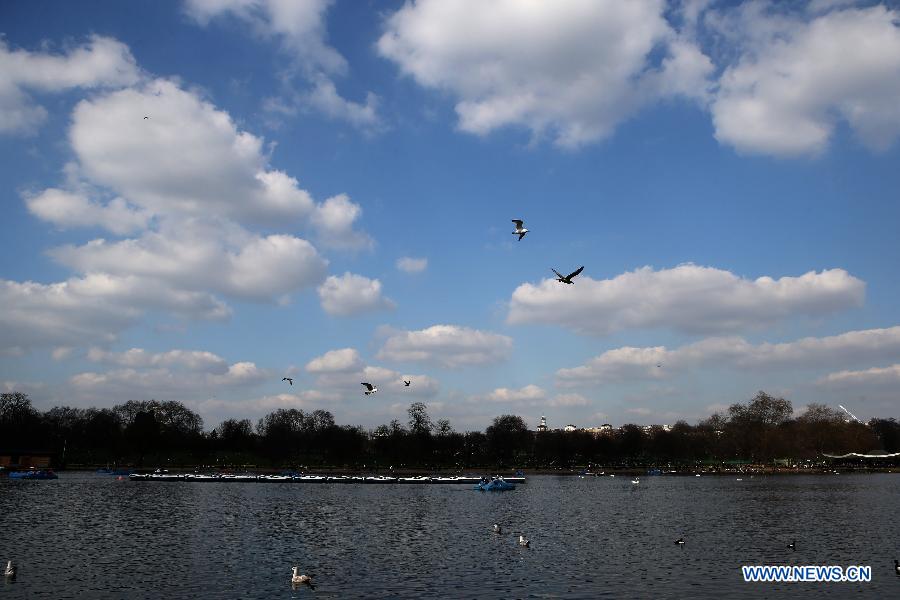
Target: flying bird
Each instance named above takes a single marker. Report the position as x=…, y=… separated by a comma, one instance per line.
x=567, y=278
x=370, y=389
x=520, y=229
x=288, y=379
x=146, y=117
x=297, y=579
x=406, y=383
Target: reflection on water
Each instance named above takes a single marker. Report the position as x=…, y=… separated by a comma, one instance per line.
x=91, y=536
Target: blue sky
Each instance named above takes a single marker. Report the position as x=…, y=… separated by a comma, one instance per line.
x=726, y=172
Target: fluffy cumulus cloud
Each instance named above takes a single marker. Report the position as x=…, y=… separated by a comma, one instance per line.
x=448, y=346
x=175, y=374
x=342, y=371
x=100, y=62
x=198, y=257
x=191, y=190
x=687, y=298
x=91, y=309
x=799, y=75
x=300, y=29
x=187, y=159
x=408, y=264
x=569, y=71
x=776, y=79
x=71, y=209
x=345, y=360
x=530, y=395
x=352, y=294
x=194, y=360
x=653, y=363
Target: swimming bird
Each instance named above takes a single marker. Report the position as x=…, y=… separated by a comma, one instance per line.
x=896, y=566
x=288, y=379
x=567, y=278
x=370, y=389
x=793, y=545
x=635, y=481
x=497, y=528
x=296, y=579
x=406, y=383
x=10, y=569
x=525, y=542
x=520, y=230
x=680, y=541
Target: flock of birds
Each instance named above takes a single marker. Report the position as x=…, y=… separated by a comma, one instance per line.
x=519, y=231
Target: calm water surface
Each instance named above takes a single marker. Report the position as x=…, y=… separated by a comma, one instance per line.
x=90, y=536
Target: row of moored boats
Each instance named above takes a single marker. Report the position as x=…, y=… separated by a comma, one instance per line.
x=302, y=478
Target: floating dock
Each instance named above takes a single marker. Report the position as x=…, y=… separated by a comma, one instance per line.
x=249, y=478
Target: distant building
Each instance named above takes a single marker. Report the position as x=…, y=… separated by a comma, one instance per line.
x=570, y=427
x=605, y=429
x=14, y=458
x=543, y=426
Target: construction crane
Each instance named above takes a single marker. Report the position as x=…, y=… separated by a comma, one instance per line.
x=852, y=416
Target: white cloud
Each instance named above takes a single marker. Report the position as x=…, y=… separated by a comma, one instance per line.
x=529, y=395
x=300, y=28
x=572, y=71
x=193, y=360
x=342, y=371
x=200, y=257
x=654, y=363
x=876, y=376
x=91, y=309
x=193, y=187
x=447, y=346
x=101, y=62
x=687, y=298
x=568, y=400
x=325, y=98
x=797, y=78
x=164, y=382
x=336, y=361
x=334, y=221
x=188, y=158
x=408, y=264
x=66, y=209
x=352, y=294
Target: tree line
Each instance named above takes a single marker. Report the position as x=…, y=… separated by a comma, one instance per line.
x=152, y=433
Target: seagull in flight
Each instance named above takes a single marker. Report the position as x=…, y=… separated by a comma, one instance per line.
x=146, y=117
x=288, y=379
x=406, y=383
x=520, y=229
x=370, y=389
x=567, y=278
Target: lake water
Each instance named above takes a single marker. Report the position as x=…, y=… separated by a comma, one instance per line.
x=90, y=536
